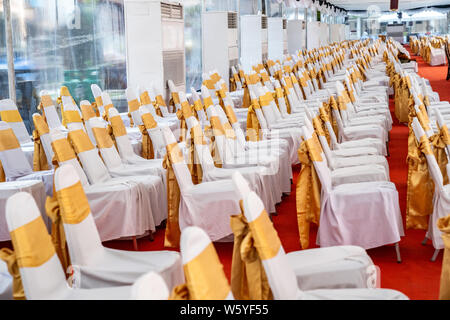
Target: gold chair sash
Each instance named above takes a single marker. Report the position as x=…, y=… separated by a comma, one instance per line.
x=248, y=278
x=173, y=233
x=205, y=279
x=420, y=186
x=9, y=257
x=307, y=195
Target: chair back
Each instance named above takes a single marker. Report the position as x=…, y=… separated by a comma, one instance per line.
x=160, y=101
x=133, y=106
x=81, y=232
x=281, y=277
x=97, y=93
x=40, y=269
x=86, y=110
x=93, y=165
x=203, y=270
x=49, y=110
x=176, y=157
x=65, y=154
x=10, y=114
x=105, y=144
x=318, y=159
x=12, y=158
x=154, y=131
x=120, y=135
x=201, y=147
x=72, y=117
x=44, y=135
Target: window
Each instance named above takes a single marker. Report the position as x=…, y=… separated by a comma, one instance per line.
x=66, y=42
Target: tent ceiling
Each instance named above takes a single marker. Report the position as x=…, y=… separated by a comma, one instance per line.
x=384, y=4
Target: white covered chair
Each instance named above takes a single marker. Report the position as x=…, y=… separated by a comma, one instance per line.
x=207, y=205
x=154, y=173
x=40, y=269
x=97, y=265
x=150, y=286
x=282, y=277
x=205, y=278
x=15, y=163
x=10, y=114
x=108, y=197
x=365, y=214
x=49, y=110
x=441, y=197
x=320, y=268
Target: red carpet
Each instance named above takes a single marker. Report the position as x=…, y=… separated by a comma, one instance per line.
x=416, y=276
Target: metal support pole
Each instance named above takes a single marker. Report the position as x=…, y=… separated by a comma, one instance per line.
x=9, y=50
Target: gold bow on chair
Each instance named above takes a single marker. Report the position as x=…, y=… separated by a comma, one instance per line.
x=183, y=126
x=248, y=278
x=444, y=290
x=58, y=235
x=307, y=194
x=9, y=257
x=253, y=127
x=437, y=141
x=147, y=145
x=173, y=233
x=39, y=158
x=194, y=166
x=420, y=186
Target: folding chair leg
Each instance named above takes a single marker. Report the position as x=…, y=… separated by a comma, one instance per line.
x=435, y=254
x=424, y=241
x=135, y=245
x=397, y=251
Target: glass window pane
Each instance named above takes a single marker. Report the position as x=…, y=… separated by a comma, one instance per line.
x=68, y=42
x=193, y=43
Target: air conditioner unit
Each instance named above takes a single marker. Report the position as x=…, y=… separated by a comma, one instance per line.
x=285, y=38
x=251, y=41
x=220, y=42
x=154, y=33
x=264, y=38
x=275, y=39
x=296, y=35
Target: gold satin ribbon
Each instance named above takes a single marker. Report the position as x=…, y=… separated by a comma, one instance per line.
x=39, y=158
x=63, y=150
x=217, y=127
x=8, y=140
x=117, y=125
x=253, y=127
x=87, y=112
x=32, y=244
x=102, y=138
x=307, y=195
x=145, y=98
x=9, y=257
x=207, y=102
x=71, y=116
x=172, y=233
x=248, y=278
x=230, y=114
x=11, y=116
x=99, y=101
x=266, y=239
x=194, y=165
x=186, y=109
x=58, y=236
x=147, y=151
x=46, y=101
x=438, y=142
x=149, y=121
x=420, y=186
x=205, y=279
x=444, y=287
x=80, y=141
x=133, y=105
